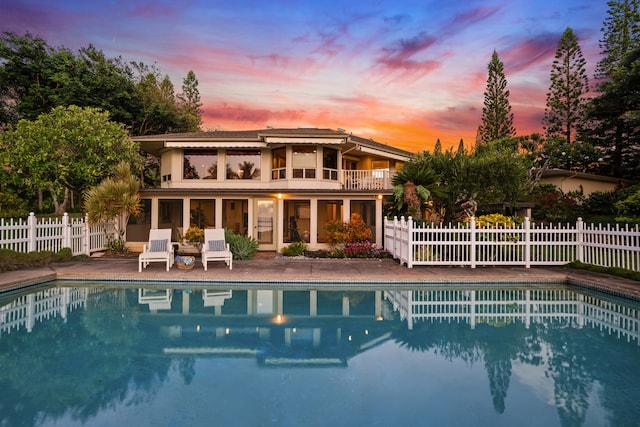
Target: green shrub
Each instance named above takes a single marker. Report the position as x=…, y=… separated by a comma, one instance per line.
x=294, y=249
x=12, y=206
x=242, y=247
x=12, y=260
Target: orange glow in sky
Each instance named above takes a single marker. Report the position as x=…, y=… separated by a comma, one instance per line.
x=404, y=73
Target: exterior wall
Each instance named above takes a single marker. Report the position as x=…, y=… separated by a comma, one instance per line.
x=309, y=228
x=357, y=190
x=568, y=183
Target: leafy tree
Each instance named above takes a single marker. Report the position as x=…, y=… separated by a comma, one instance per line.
x=497, y=118
x=557, y=153
x=31, y=72
x=495, y=172
x=115, y=199
x=34, y=78
x=69, y=149
x=569, y=83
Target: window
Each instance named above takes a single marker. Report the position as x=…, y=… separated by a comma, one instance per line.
x=328, y=211
x=304, y=162
x=202, y=213
x=200, y=164
x=235, y=216
x=170, y=216
x=279, y=163
x=243, y=164
x=297, y=220
x=330, y=164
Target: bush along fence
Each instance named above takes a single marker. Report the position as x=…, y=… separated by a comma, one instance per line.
x=53, y=234
x=524, y=245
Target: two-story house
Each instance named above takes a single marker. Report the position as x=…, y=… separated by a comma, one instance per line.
x=276, y=185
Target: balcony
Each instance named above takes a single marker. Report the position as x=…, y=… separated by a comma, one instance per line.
x=378, y=179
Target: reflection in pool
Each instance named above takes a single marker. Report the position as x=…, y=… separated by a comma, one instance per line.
x=539, y=355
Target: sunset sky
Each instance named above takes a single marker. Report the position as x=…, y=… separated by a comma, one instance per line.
x=402, y=72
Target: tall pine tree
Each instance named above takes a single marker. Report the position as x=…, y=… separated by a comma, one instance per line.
x=614, y=115
x=497, y=118
x=565, y=111
x=621, y=34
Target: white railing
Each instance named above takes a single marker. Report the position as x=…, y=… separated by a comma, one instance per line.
x=377, y=179
x=526, y=245
x=53, y=234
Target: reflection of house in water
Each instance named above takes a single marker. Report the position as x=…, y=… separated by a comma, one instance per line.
x=277, y=327
x=319, y=327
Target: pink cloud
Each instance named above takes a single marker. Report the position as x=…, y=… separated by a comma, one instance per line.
x=463, y=21
x=530, y=52
x=154, y=9
x=247, y=115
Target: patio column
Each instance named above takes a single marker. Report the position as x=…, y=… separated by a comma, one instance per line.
x=379, y=221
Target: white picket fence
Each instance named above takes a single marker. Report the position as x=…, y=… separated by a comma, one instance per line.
x=53, y=234
x=525, y=245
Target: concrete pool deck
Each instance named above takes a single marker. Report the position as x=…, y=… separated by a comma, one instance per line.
x=270, y=269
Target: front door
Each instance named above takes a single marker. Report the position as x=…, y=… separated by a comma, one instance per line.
x=264, y=225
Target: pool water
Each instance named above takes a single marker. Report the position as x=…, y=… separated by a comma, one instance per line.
x=96, y=355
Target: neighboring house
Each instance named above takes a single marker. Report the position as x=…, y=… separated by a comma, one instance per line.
x=276, y=185
x=568, y=181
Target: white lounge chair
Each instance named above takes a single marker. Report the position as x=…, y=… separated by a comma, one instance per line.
x=159, y=249
x=215, y=248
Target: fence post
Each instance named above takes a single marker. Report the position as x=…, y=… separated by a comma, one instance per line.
x=527, y=242
x=410, y=243
x=579, y=240
x=31, y=224
x=86, y=240
x=472, y=241
x=66, y=231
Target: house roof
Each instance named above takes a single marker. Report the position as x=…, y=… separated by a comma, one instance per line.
x=263, y=137
x=550, y=173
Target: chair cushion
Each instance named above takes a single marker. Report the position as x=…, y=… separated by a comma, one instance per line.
x=217, y=245
x=158, y=245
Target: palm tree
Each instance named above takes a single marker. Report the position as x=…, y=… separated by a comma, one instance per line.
x=115, y=199
x=413, y=185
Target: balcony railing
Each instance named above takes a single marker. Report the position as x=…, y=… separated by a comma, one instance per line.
x=378, y=179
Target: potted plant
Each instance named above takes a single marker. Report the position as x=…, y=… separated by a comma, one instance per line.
x=194, y=236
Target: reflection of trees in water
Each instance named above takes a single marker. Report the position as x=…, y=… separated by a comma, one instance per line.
x=573, y=365
x=187, y=369
x=78, y=367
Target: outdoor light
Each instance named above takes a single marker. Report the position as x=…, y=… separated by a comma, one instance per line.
x=379, y=196
x=279, y=195
x=197, y=328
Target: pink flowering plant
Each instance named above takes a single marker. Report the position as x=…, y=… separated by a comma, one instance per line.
x=364, y=249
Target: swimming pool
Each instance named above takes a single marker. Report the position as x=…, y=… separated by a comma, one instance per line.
x=149, y=354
